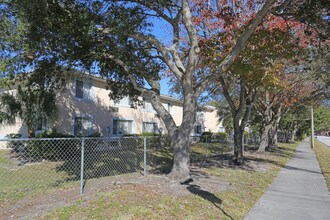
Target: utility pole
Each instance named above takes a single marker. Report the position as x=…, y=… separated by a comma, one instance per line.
x=312, y=127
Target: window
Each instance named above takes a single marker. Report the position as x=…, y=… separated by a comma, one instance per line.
x=198, y=129
x=122, y=127
x=126, y=102
x=82, y=126
x=84, y=89
x=147, y=105
x=150, y=127
x=170, y=108
x=41, y=124
x=222, y=129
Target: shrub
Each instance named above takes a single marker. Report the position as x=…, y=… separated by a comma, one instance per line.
x=52, y=149
x=220, y=137
x=16, y=146
x=13, y=136
x=206, y=137
x=148, y=134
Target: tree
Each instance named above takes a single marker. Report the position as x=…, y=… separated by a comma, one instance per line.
x=31, y=99
x=296, y=123
x=115, y=37
x=322, y=118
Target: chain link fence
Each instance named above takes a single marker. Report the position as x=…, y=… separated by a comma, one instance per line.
x=30, y=165
x=36, y=165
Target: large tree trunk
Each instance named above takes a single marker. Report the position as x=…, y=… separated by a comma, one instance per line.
x=293, y=134
x=238, y=143
x=264, y=138
x=181, y=160
x=31, y=133
x=180, y=138
x=272, y=137
x=31, y=130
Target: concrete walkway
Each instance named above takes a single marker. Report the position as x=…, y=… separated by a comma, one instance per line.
x=298, y=192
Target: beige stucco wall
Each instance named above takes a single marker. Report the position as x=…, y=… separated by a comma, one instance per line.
x=211, y=121
x=208, y=120
x=17, y=128
x=99, y=110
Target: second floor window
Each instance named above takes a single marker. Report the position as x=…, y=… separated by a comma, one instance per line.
x=170, y=108
x=124, y=102
x=84, y=89
x=147, y=105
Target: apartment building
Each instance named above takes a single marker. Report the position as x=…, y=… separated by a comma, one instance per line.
x=84, y=108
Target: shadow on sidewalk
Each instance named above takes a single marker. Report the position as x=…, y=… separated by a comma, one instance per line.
x=301, y=169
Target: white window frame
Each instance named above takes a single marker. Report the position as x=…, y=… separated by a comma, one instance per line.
x=89, y=82
x=85, y=116
x=170, y=108
x=150, y=122
x=122, y=119
x=128, y=102
x=147, y=106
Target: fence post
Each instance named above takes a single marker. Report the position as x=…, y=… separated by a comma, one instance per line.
x=145, y=155
x=82, y=166
x=207, y=146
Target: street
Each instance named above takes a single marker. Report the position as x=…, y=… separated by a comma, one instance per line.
x=324, y=139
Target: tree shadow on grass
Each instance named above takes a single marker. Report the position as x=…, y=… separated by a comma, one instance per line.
x=99, y=164
x=196, y=190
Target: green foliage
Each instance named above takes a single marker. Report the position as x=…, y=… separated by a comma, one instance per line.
x=322, y=118
x=33, y=98
x=206, y=137
x=220, y=137
x=53, y=134
x=148, y=134
x=13, y=136
x=86, y=36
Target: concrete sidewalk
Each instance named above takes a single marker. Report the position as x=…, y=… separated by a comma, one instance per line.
x=298, y=192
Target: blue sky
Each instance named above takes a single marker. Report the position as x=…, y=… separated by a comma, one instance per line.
x=164, y=89
x=163, y=33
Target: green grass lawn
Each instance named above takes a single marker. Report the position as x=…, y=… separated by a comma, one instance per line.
x=323, y=156
x=139, y=202
x=21, y=181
